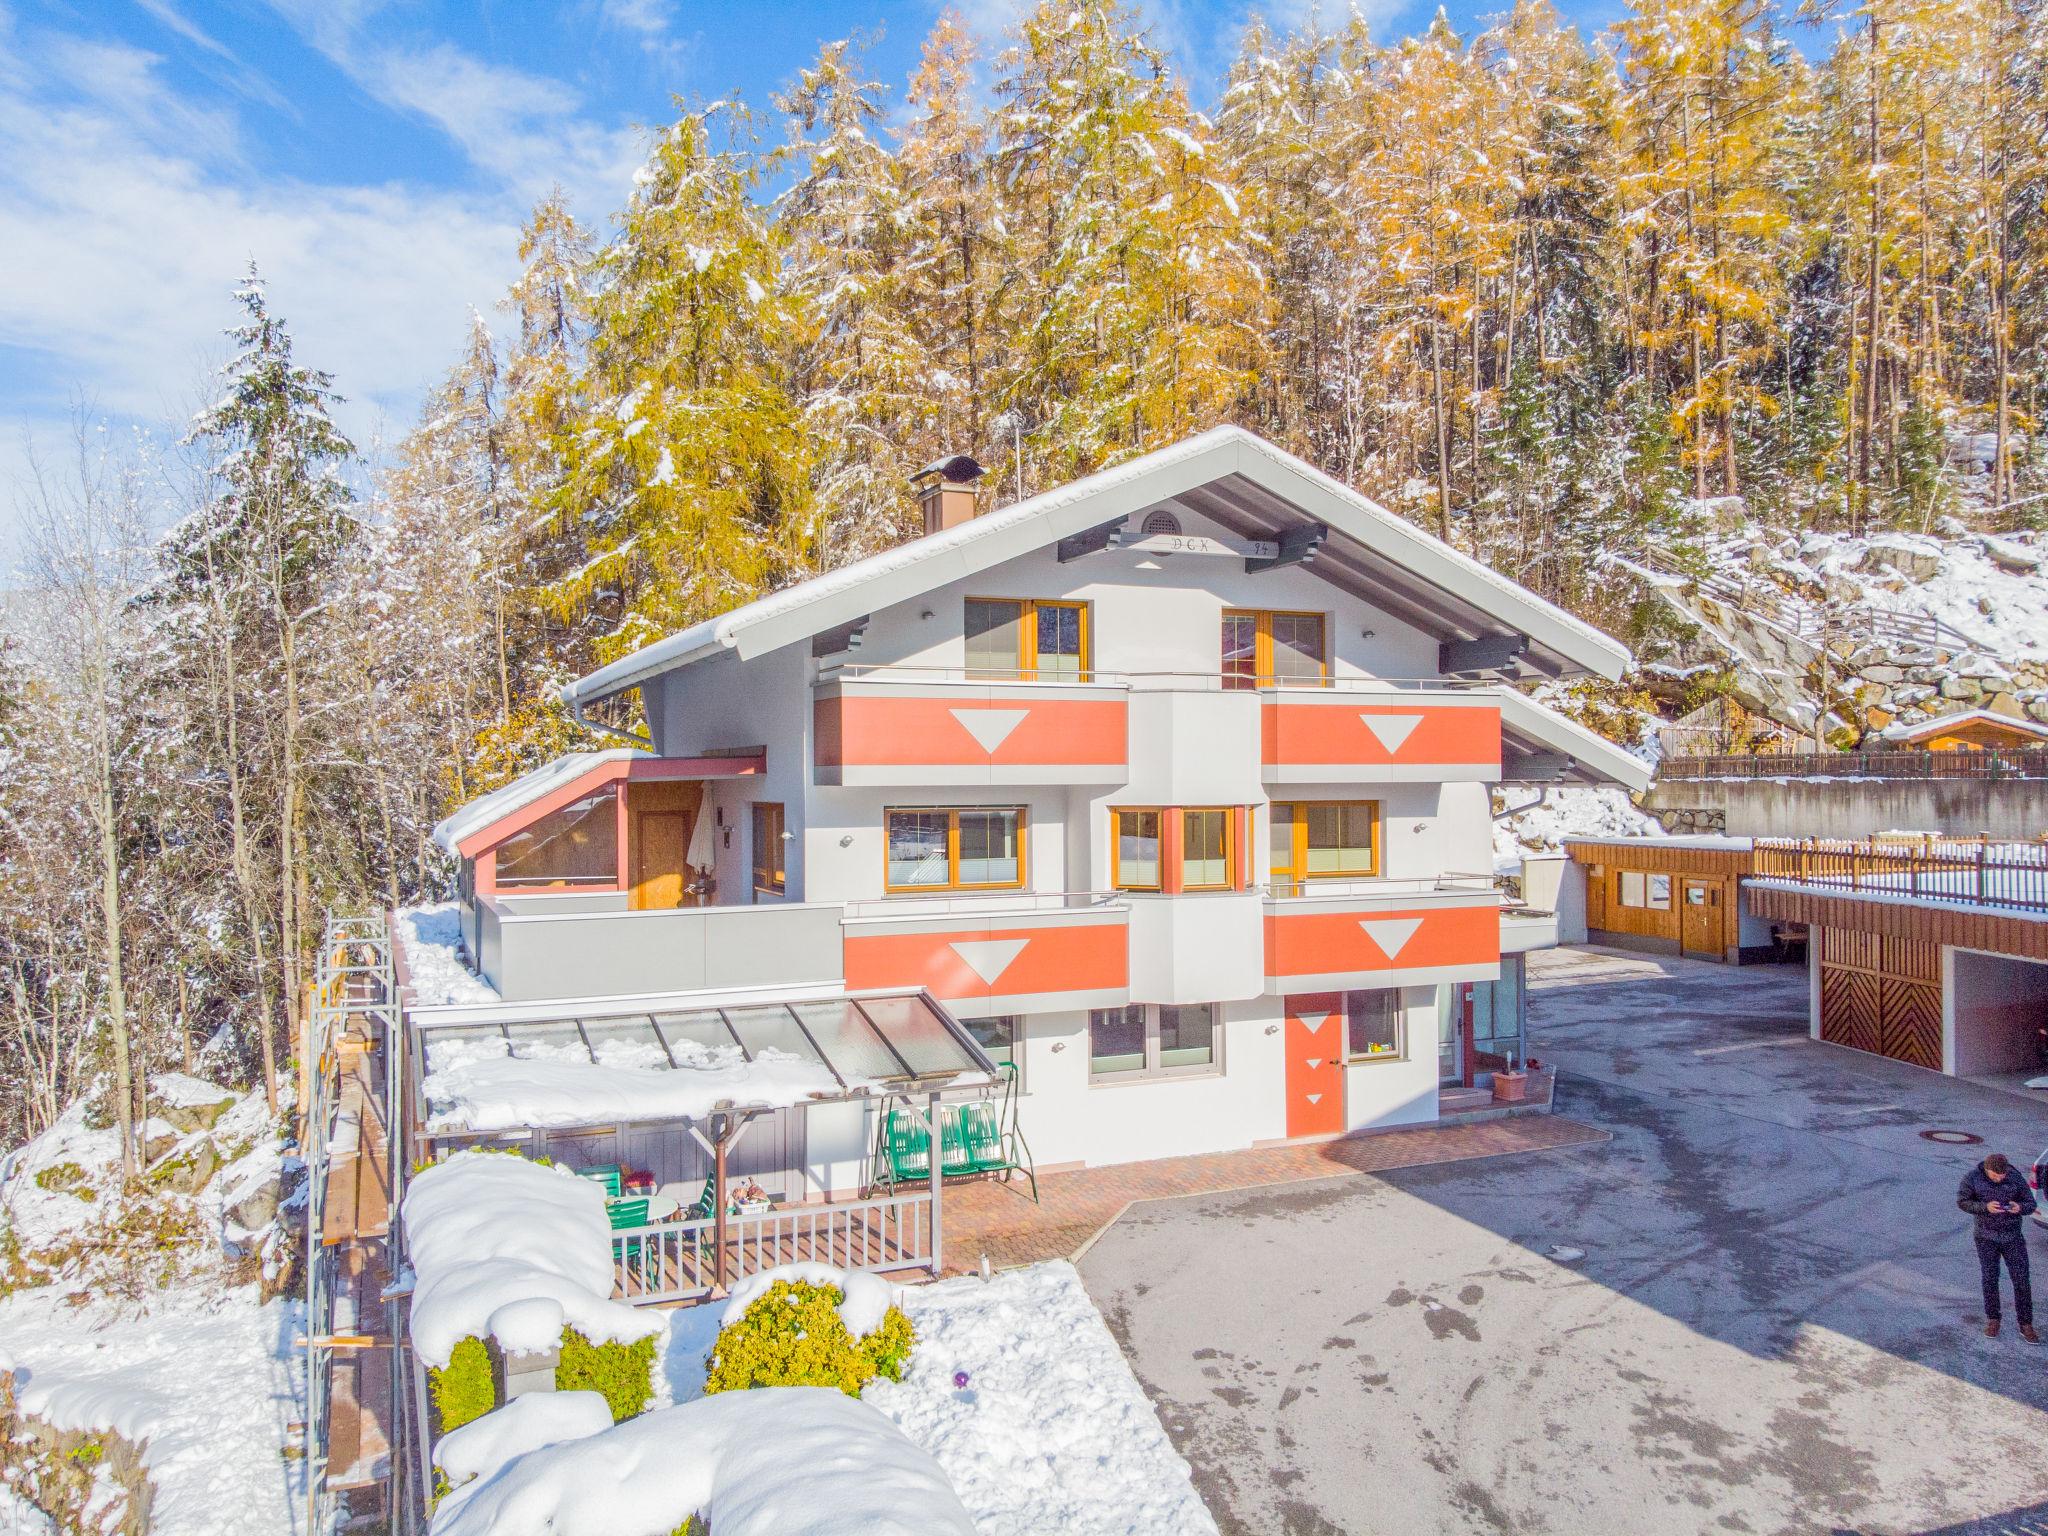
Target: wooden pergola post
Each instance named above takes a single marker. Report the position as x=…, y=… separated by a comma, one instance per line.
x=721, y=1136
x=937, y=1175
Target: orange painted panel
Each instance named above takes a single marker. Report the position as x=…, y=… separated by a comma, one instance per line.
x=1315, y=1064
x=984, y=962
x=1404, y=734
x=860, y=731
x=1327, y=943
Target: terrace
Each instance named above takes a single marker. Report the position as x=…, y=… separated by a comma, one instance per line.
x=730, y=1129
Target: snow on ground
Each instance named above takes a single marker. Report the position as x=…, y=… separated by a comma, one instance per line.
x=206, y=1380
x=1568, y=812
x=1051, y=1432
x=775, y=1461
x=431, y=937
x=18, y=1517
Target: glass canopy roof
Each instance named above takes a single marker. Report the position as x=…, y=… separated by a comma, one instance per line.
x=866, y=1040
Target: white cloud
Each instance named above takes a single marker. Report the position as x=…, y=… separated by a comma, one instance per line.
x=127, y=214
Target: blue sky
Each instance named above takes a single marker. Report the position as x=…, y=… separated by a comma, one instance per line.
x=375, y=158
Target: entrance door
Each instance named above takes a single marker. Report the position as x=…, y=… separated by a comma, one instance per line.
x=1701, y=932
x=1315, y=1064
x=660, y=818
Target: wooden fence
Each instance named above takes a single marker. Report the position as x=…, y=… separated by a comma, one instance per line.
x=1975, y=872
x=1994, y=763
x=678, y=1260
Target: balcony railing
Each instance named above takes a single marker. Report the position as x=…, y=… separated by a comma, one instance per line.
x=1979, y=873
x=680, y=1260
x=1987, y=763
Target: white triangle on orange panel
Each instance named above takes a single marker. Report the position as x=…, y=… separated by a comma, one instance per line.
x=1313, y=1098
x=990, y=727
x=1390, y=933
x=1314, y=1062
x=1313, y=1021
x=988, y=958
x=1391, y=731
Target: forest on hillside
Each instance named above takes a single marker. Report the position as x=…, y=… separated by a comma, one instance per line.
x=1547, y=294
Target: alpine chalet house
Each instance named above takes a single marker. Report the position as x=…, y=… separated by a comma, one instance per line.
x=1169, y=788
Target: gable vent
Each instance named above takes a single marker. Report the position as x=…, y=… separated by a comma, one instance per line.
x=1161, y=522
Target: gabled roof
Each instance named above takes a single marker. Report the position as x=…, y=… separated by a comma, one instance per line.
x=489, y=819
x=1227, y=475
x=1534, y=736
x=1928, y=728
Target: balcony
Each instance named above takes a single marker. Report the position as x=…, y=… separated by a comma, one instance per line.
x=1341, y=934
x=589, y=944
x=1366, y=731
x=935, y=726
x=1012, y=953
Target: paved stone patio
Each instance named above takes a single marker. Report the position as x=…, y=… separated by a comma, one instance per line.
x=999, y=1220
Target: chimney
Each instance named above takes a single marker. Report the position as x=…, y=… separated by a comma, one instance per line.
x=945, y=490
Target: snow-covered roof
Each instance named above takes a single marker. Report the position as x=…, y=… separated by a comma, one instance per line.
x=461, y=825
x=681, y=1057
x=1226, y=474
x=1929, y=728
x=491, y=818
x=1703, y=842
x=1529, y=728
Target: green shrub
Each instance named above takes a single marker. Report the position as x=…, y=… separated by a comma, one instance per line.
x=624, y=1373
x=793, y=1336
x=466, y=1387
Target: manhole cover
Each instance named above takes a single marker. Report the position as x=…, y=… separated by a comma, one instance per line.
x=1952, y=1138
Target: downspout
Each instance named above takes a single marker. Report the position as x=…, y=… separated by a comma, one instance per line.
x=645, y=743
x=1515, y=810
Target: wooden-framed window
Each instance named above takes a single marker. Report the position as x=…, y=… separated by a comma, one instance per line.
x=1633, y=888
x=1207, y=849
x=1373, y=1025
x=1032, y=639
x=1263, y=648
x=966, y=848
x=1322, y=840
x=1136, y=849
x=769, y=875
x=1141, y=1040
x=577, y=845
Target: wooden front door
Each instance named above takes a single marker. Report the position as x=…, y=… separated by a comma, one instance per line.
x=1596, y=895
x=1701, y=932
x=659, y=819
x=1315, y=1064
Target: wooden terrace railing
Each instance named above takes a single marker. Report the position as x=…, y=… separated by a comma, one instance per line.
x=1992, y=763
x=1976, y=872
x=678, y=1260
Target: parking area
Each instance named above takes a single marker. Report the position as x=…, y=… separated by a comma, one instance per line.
x=1754, y=1310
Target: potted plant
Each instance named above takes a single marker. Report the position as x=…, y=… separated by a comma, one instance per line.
x=1510, y=1086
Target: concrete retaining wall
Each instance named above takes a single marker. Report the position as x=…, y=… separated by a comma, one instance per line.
x=1850, y=807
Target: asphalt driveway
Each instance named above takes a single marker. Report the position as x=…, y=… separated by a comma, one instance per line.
x=1754, y=1310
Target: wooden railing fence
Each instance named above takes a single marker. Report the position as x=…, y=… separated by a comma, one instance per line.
x=1977, y=872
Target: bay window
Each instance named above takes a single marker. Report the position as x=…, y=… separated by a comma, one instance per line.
x=1205, y=850
x=1134, y=850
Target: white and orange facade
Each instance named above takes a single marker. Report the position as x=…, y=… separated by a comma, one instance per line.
x=1175, y=783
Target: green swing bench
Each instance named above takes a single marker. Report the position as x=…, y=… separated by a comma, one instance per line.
x=976, y=1140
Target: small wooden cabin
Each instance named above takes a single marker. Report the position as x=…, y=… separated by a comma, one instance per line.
x=1673, y=896
x=1973, y=730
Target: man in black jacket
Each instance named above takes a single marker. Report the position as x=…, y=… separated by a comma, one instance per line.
x=2001, y=1201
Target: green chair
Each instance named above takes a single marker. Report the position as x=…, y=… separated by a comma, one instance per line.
x=956, y=1159
x=905, y=1149
x=610, y=1175
x=706, y=1205
x=638, y=1254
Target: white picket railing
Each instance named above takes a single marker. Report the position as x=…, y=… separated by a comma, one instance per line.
x=677, y=1260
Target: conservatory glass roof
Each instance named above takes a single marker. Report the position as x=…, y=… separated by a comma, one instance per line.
x=684, y=1058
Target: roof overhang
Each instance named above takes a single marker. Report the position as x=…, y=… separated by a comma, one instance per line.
x=1539, y=746
x=487, y=821
x=1927, y=729
x=1226, y=475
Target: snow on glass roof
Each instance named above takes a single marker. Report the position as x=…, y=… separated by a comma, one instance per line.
x=685, y=1059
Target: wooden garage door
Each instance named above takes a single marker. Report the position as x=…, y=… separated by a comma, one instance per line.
x=1881, y=995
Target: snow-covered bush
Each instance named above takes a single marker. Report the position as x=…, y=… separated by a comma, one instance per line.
x=622, y=1373
x=798, y=1333
x=466, y=1388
